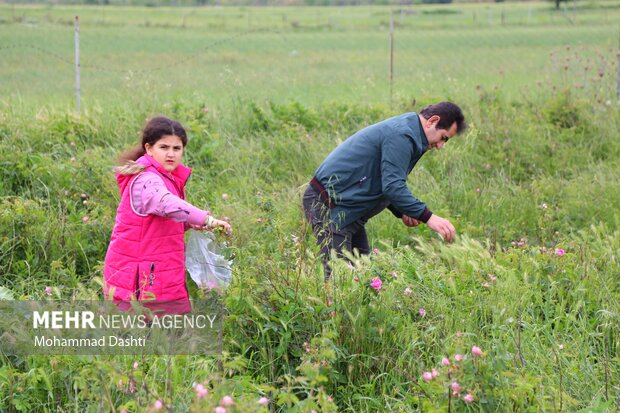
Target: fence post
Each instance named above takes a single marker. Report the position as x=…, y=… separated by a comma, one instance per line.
x=618, y=79
x=391, y=54
x=77, y=63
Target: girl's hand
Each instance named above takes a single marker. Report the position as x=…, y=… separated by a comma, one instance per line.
x=215, y=223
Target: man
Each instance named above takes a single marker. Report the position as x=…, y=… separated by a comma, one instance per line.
x=368, y=173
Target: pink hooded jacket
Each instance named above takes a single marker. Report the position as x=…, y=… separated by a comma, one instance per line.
x=146, y=255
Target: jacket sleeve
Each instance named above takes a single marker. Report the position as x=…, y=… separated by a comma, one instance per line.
x=395, y=211
x=151, y=197
x=396, y=154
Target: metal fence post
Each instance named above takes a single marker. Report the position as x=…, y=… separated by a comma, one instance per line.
x=77, y=62
x=391, y=54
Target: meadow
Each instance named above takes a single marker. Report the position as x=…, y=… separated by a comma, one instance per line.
x=522, y=310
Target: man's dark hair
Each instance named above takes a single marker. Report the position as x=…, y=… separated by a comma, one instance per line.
x=448, y=113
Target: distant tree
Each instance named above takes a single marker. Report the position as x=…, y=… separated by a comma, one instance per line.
x=557, y=3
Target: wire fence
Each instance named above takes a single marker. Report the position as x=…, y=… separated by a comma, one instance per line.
x=311, y=55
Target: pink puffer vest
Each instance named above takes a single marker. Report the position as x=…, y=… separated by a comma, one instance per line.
x=146, y=256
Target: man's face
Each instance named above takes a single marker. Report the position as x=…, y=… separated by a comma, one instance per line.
x=437, y=138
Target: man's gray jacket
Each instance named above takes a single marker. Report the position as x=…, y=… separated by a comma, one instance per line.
x=370, y=168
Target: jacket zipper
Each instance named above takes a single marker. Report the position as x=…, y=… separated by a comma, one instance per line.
x=152, y=274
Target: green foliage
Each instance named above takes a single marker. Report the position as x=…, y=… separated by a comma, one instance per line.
x=531, y=188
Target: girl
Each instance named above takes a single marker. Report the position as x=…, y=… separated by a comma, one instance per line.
x=146, y=255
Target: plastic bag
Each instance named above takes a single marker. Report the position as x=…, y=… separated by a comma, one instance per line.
x=204, y=261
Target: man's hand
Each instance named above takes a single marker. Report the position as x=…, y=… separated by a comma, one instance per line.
x=442, y=226
x=410, y=222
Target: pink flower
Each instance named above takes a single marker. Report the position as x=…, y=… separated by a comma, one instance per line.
x=121, y=383
x=422, y=312
x=468, y=398
x=85, y=218
x=434, y=373
x=48, y=290
x=227, y=401
x=445, y=361
x=492, y=277
x=427, y=376
x=376, y=283
x=124, y=411
x=458, y=357
x=220, y=409
x=394, y=275
x=475, y=350
x=356, y=279
x=559, y=252
x=407, y=291
x=263, y=401
x=201, y=391
x=158, y=404
x=135, y=364
x=375, y=251
x=456, y=388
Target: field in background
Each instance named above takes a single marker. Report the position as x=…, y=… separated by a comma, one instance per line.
x=312, y=55
x=266, y=93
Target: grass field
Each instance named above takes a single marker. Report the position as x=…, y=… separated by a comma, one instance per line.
x=533, y=279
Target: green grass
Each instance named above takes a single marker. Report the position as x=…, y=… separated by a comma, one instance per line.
x=539, y=164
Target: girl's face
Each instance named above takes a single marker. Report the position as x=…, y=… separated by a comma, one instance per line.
x=167, y=151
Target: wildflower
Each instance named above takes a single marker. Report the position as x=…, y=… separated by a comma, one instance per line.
x=468, y=398
x=427, y=376
x=478, y=190
x=132, y=386
x=220, y=409
x=456, y=388
x=543, y=206
x=475, y=350
x=407, y=291
x=48, y=290
x=201, y=391
x=458, y=357
x=375, y=251
x=227, y=401
x=158, y=404
x=376, y=283
x=121, y=383
x=561, y=346
x=422, y=312
x=263, y=401
x=492, y=277
x=224, y=197
x=356, y=279
x=124, y=411
x=394, y=275
x=85, y=218
x=434, y=372
x=445, y=361
x=486, y=285
x=135, y=364
x=259, y=220
x=559, y=252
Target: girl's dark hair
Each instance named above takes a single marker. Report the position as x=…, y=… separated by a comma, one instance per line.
x=153, y=131
x=448, y=113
